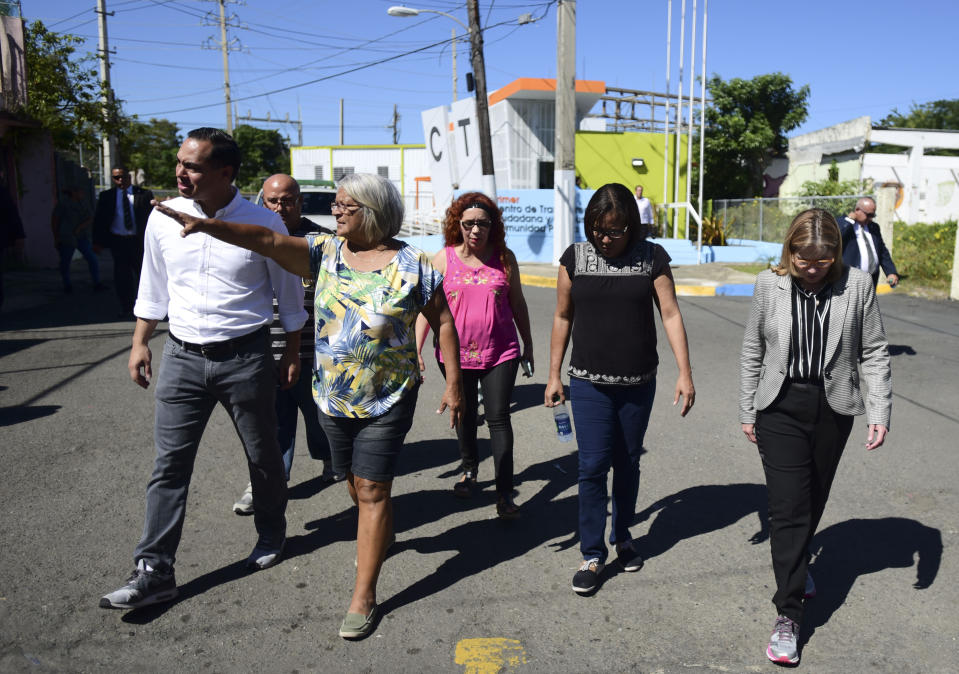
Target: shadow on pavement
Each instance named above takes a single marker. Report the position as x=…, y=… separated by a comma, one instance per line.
x=17, y=415
x=701, y=510
x=858, y=547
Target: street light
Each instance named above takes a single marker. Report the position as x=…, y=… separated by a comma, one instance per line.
x=399, y=10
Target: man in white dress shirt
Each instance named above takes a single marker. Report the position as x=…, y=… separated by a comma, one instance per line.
x=219, y=299
x=645, y=207
x=862, y=244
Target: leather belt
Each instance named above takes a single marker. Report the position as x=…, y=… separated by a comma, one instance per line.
x=219, y=349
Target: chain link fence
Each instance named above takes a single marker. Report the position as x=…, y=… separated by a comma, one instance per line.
x=767, y=219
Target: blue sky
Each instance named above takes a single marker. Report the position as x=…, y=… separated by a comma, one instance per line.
x=858, y=58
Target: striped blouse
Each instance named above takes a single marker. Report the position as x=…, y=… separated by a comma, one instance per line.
x=810, y=321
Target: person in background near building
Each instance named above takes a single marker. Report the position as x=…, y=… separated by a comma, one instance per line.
x=219, y=300
x=119, y=222
x=71, y=231
x=11, y=228
x=605, y=294
x=862, y=244
x=483, y=288
x=645, y=209
x=281, y=194
x=813, y=321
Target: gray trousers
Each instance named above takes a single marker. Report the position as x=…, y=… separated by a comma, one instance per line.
x=188, y=387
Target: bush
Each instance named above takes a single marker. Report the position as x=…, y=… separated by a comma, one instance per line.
x=923, y=252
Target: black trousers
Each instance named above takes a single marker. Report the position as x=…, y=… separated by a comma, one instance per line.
x=497, y=383
x=801, y=440
x=127, y=254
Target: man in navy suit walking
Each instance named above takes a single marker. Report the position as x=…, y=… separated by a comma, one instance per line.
x=862, y=244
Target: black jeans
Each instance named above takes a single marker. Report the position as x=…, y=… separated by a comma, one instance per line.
x=127, y=254
x=497, y=383
x=801, y=440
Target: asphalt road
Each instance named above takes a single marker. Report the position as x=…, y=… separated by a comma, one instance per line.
x=461, y=590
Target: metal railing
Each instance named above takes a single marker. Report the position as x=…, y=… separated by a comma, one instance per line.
x=767, y=219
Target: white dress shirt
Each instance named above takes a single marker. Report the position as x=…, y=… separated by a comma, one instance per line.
x=214, y=291
x=119, y=225
x=864, y=239
x=645, y=211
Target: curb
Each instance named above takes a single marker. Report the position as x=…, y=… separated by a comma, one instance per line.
x=726, y=290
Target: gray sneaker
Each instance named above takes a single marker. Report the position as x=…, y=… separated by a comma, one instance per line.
x=244, y=504
x=587, y=578
x=144, y=587
x=783, y=648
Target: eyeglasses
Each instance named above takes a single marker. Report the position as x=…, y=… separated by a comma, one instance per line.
x=119, y=177
x=610, y=233
x=349, y=209
x=818, y=264
x=869, y=216
x=284, y=202
x=470, y=224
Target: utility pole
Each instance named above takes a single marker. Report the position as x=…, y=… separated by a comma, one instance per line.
x=103, y=53
x=286, y=120
x=225, y=47
x=453, y=43
x=564, y=154
x=482, y=100
x=341, y=121
x=395, y=125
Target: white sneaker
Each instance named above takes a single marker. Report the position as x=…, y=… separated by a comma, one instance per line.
x=783, y=646
x=244, y=504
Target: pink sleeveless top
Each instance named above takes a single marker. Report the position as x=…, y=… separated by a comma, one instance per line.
x=479, y=301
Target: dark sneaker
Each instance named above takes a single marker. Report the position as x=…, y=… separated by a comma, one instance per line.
x=810, y=590
x=144, y=587
x=587, y=578
x=265, y=555
x=628, y=557
x=782, y=648
x=244, y=504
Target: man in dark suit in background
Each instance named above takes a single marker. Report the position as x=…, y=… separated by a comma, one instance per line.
x=118, y=224
x=862, y=244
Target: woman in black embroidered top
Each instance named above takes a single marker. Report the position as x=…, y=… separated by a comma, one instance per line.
x=605, y=293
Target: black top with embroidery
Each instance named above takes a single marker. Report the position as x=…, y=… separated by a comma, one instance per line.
x=614, y=336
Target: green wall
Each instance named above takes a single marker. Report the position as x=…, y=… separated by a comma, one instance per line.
x=603, y=157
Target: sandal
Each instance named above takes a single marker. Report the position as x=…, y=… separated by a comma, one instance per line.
x=506, y=509
x=464, y=488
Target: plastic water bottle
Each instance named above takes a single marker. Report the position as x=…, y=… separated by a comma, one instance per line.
x=564, y=428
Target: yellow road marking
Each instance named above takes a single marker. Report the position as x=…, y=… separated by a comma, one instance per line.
x=489, y=656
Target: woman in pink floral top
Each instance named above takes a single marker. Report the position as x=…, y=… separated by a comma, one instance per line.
x=482, y=286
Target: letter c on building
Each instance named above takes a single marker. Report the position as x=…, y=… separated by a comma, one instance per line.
x=436, y=156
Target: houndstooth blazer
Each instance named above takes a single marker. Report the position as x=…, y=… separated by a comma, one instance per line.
x=855, y=335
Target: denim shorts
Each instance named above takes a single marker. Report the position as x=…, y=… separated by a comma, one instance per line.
x=369, y=448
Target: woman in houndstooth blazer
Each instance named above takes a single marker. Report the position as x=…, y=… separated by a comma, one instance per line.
x=813, y=321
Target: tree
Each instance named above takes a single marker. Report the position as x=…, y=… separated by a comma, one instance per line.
x=832, y=186
x=264, y=153
x=746, y=129
x=150, y=147
x=63, y=90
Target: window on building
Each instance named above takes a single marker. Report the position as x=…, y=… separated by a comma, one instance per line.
x=383, y=172
x=317, y=173
x=340, y=171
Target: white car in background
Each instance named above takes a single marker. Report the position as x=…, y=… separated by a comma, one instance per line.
x=318, y=197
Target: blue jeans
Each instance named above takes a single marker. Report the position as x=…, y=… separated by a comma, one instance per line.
x=66, y=257
x=610, y=425
x=289, y=403
x=188, y=387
